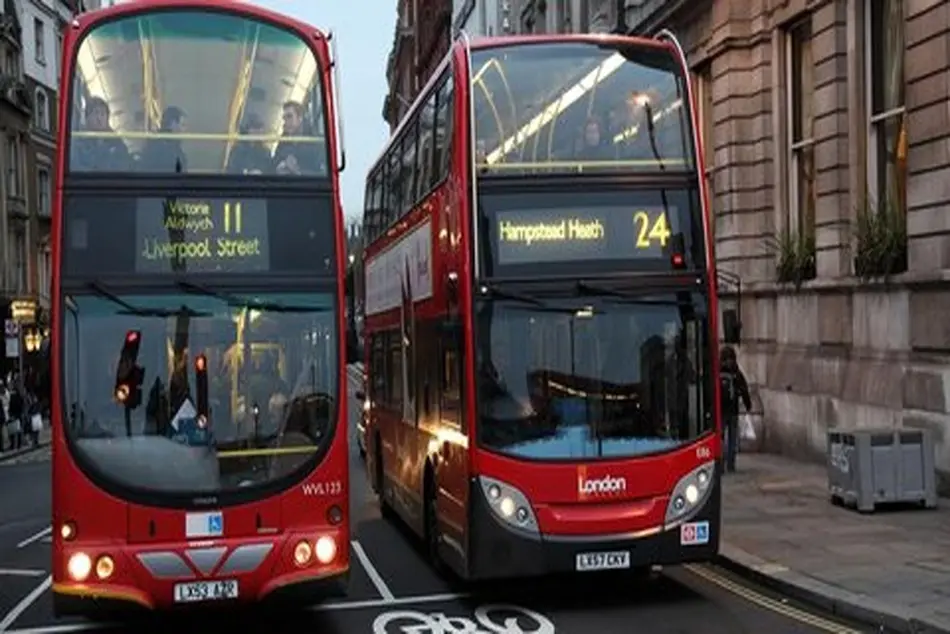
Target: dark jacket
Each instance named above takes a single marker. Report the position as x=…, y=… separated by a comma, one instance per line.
x=311, y=157
x=16, y=404
x=164, y=156
x=249, y=156
x=734, y=388
x=99, y=155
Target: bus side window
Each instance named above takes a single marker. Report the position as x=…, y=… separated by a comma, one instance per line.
x=450, y=361
x=377, y=368
x=394, y=371
x=427, y=373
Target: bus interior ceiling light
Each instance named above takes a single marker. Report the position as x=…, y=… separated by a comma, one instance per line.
x=306, y=71
x=603, y=70
x=95, y=81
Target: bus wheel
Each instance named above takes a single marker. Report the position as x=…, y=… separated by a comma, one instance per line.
x=431, y=520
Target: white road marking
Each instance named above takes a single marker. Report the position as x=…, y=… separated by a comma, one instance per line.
x=25, y=604
x=373, y=574
x=378, y=603
x=21, y=572
x=36, y=537
x=326, y=607
x=55, y=629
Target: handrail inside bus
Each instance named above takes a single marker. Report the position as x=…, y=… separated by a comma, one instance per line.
x=267, y=451
x=241, y=90
x=196, y=136
x=580, y=165
x=153, y=109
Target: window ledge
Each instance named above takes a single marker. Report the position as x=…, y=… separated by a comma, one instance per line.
x=910, y=279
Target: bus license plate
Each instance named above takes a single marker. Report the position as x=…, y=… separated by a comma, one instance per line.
x=206, y=591
x=619, y=560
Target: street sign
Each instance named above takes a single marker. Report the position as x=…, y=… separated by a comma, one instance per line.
x=11, y=328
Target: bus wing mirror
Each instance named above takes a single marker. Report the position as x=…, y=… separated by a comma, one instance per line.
x=731, y=326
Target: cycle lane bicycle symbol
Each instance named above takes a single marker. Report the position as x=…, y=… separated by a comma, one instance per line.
x=488, y=619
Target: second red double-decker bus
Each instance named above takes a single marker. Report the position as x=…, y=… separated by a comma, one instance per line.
x=540, y=311
x=199, y=443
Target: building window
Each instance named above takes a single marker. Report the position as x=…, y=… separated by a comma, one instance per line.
x=887, y=143
x=12, y=64
x=563, y=17
x=14, y=171
x=800, y=88
x=44, y=272
x=43, y=191
x=19, y=260
x=41, y=110
x=39, y=40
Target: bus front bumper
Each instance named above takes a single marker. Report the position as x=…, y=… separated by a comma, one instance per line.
x=499, y=551
x=107, y=601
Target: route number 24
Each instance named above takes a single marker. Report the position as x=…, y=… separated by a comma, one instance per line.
x=651, y=230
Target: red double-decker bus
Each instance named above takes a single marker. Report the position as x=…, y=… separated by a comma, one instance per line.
x=199, y=436
x=541, y=325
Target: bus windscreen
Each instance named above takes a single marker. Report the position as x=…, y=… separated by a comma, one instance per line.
x=577, y=107
x=196, y=91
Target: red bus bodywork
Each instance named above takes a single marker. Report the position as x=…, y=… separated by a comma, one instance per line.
x=437, y=477
x=268, y=545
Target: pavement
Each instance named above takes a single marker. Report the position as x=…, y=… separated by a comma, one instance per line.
x=890, y=568
x=394, y=590
x=10, y=454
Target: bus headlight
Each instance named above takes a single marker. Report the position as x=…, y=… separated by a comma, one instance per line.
x=509, y=504
x=67, y=531
x=326, y=549
x=79, y=566
x=689, y=494
x=105, y=566
x=302, y=553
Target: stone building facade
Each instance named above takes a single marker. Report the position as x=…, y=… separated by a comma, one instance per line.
x=421, y=39
x=827, y=120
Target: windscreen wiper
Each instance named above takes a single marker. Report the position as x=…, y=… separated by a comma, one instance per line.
x=247, y=302
x=130, y=309
x=632, y=297
x=524, y=298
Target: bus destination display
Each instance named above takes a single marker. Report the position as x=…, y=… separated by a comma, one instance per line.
x=603, y=233
x=201, y=235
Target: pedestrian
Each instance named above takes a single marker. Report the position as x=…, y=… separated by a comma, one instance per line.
x=33, y=421
x=15, y=417
x=4, y=418
x=734, y=388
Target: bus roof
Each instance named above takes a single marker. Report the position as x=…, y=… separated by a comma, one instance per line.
x=84, y=20
x=481, y=43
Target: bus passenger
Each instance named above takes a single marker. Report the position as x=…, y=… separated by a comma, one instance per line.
x=295, y=156
x=594, y=147
x=250, y=156
x=99, y=154
x=165, y=154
